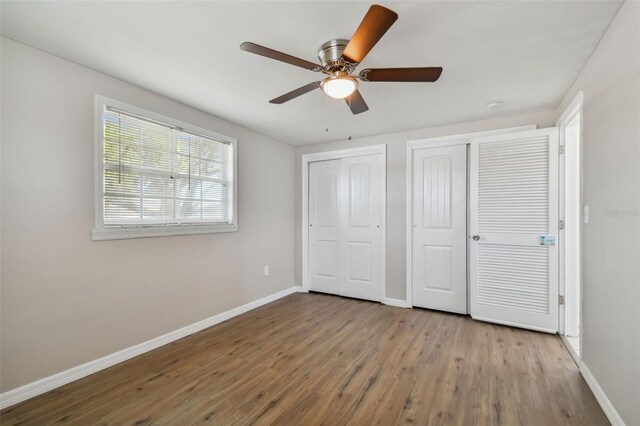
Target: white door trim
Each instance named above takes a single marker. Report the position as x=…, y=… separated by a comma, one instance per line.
x=413, y=145
x=381, y=150
x=574, y=108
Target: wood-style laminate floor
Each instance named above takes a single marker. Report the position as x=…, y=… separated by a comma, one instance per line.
x=318, y=359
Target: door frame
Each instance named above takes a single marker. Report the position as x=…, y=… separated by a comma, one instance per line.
x=381, y=151
x=436, y=142
x=574, y=108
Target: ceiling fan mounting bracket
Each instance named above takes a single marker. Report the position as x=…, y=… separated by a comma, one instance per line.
x=330, y=56
x=331, y=51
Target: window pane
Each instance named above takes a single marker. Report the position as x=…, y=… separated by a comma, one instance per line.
x=157, y=185
x=160, y=210
x=214, y=191
x=186, y=189
x=121, y=209
x=121, y=183
x=213, y=211
x=189, y=209
x=213, y=170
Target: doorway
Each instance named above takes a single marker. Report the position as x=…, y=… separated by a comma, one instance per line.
x=570, y=126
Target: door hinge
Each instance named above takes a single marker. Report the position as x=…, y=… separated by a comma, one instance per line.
x=561, y=224
x=561, y=149
x=560, y=300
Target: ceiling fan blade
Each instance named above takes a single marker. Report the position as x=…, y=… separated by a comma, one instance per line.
x=278, y=56
x=356, y=103
x=295, y=93
x=424, y=75
x=373, y=26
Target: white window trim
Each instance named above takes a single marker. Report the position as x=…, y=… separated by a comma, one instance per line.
x=102, y=232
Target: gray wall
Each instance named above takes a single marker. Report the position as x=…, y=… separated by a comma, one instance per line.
x=67, y=300
x=611, y=188
x=396, y=184
x=611, y=242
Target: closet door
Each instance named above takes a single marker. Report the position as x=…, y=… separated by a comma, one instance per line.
x=361, y=227
x=324, y=226
x=439, y=264
x=514, y=215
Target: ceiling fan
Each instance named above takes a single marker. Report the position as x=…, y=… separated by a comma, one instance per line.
x=339, y=59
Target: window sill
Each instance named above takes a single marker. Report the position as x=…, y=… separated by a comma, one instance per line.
x=164, y=231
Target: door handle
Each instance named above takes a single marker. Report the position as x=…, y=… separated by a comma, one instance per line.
x=476, y=237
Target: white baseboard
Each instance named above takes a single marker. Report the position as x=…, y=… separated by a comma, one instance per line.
x=395, y=302
x=604, y=402
x=41, y=386
x=570, y=349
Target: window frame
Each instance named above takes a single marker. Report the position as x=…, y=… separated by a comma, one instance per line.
x=110, y=232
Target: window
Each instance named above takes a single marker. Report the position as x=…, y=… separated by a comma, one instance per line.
x=158, y=176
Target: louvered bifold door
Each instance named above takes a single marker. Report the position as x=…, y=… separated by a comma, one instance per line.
x=513, y=228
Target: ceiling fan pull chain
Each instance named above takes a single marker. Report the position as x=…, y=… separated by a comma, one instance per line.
x=350, y=119
x=326, y=112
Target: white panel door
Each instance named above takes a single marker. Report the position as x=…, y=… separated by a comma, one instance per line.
x=514, y=202
x=440, y=228
x=361, y=231
x=324, y=226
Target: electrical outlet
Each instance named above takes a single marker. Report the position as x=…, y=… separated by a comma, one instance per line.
x=266, y=271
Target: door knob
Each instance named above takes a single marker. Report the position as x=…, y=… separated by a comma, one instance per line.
x=476, y=237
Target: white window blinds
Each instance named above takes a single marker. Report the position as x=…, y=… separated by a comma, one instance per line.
x=157, y=174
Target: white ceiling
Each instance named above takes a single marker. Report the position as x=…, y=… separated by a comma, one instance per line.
x=525, y=53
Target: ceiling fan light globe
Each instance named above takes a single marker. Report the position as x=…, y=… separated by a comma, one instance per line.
x=339, y=87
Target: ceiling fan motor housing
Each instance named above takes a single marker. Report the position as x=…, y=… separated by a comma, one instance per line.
x=330, y=52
